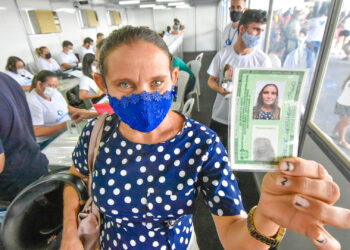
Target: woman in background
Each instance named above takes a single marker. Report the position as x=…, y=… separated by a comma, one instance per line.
x=46, y=62
x=342, y=108
x=267, y=104
x=15, y=69
x=48, y=108
x=87, y=87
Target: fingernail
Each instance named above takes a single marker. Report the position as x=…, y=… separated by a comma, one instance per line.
x=321, y=239
x=301, y=202
x=283, y=181
x=287, y=166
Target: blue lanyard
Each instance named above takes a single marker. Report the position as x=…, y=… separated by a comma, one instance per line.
x=228, y=42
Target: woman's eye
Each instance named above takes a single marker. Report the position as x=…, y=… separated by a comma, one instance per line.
x=124, y=85
x=157, y=83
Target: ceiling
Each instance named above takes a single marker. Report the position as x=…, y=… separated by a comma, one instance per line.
x=116, y=2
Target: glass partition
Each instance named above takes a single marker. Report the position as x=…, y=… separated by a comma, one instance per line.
x=330, y=114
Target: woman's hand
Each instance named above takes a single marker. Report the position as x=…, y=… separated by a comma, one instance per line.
x=71, y=243
x=83, y=114
x=300, y=197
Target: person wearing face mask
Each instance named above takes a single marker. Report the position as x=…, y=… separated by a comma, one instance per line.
x=87, y=86
x=46, y=62
x=152, y=163
x=88, y=47
x=67, y=58
x=230, y=33
x=15, y=69
x=177, y=27
x=49, y=110
x=243, y=54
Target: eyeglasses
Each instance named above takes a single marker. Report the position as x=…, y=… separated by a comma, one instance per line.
x=235, y=8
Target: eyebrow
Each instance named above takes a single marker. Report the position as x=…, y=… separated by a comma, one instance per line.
x=157, y=77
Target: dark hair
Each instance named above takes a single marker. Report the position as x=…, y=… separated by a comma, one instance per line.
x=88, y=40
x=252, y=16
x=87, y=61
x=168, y=28
x=11, y=63
x=176, y=20
x=40, y=50
x=99, y=35
x=42, y=76
x=260, y=103
x=126, y=36
x=66, y=44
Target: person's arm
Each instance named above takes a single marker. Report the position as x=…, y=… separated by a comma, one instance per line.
x=83, y=94
x=66, y=66
x=48, y=130
x=25, y=88
x=300, y=197
x=2, y=162
x=212, y=83
x=83, y=114
x=70, y=239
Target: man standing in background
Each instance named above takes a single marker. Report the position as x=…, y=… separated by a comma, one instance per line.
x=245, y=53
x=230, y=34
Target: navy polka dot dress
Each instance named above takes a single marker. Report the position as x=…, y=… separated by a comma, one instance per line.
x=146, y=193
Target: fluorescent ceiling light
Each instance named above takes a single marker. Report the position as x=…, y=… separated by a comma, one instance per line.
x=3, y=8
x=184, y=6
x=158, y=7
x=147, y=5
x=129, y=2
x=165, y=1
x=67, y=10
x=176, y=4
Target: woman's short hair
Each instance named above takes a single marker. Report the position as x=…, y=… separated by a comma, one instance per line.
x=40, y=50
x=126, y=36
x=11, y=63
x=42, y=76
x=88, y=40
x=88, y=59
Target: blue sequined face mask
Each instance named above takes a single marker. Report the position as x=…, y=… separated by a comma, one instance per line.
x=143, y=112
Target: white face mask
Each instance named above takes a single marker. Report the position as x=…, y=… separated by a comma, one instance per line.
x=21, y=72
x=49, y=92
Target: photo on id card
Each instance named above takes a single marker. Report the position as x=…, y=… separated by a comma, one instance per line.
x=264, y=117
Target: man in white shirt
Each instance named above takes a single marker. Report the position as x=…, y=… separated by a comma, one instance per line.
x=243, y=54
x=230, y=34
x=86, y=48
x=66, y=58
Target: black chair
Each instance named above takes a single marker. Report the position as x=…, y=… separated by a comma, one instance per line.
x=34, y=218
x=73, y=99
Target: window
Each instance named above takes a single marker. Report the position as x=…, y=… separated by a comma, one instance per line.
x=44, y=21
x=114, y=17
x=88, y=18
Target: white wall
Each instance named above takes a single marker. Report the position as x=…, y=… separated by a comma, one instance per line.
x=140, y=17
x=13, y=35
x=206, y=31
x=17, y=38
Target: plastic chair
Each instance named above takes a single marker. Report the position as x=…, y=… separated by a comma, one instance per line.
x=195, y=67
x=199, y=57
x=187, y=109
x=32, y=68
x=34, y=218
x=182, y=81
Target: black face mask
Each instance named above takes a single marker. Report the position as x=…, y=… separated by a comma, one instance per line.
x=48, y=55
x=235, y=16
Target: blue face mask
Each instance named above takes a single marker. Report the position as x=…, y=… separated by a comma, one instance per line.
x=176, y=26
x=250, y=41
x=143, y=112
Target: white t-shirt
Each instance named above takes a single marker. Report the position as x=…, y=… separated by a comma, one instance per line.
x=45, y=65
x=228, y=59
x=23, y=80
x=344, y=99
x=88, y=84
x=69, y=58
x=229, y=36
x=84, y=51
x=47, y=113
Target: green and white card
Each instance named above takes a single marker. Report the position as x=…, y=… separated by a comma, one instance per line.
x=264, y=117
